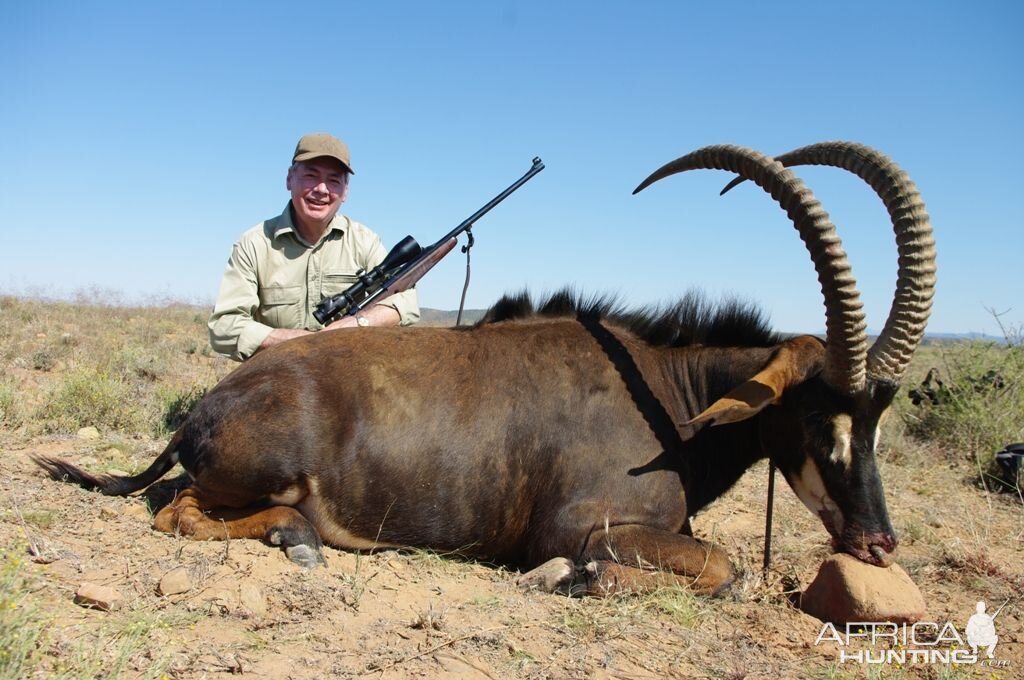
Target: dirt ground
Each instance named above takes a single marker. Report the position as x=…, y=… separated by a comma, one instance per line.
x=248, y=611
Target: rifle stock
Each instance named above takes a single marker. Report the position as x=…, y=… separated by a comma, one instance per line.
x=412, y=273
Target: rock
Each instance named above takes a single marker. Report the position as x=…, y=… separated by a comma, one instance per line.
x=88, y=433
x=220, y=601
x=175, y=581
x=251, y=597
x=847, y=590
x=108, y=512
x=98, y=597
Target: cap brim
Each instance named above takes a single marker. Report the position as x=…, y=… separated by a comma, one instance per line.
x=310, y=155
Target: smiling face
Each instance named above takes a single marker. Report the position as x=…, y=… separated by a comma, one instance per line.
x=318, y=186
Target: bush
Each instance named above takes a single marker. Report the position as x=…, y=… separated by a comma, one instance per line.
x=971, y=402
x=88, y=396
x=177, y=406
x=43, y=360
x=8, y=404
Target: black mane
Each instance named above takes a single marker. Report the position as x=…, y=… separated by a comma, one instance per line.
x=693, y=320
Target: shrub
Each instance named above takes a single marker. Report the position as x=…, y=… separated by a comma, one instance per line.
x=138, y=362
x=43, y=360
x=176, y=407
x=971, y=401
x=88, y=396
x=8, y=405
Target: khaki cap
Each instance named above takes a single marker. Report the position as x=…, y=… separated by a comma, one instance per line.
x=320, y=144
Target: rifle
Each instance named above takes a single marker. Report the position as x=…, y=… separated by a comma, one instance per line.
x=405, y=264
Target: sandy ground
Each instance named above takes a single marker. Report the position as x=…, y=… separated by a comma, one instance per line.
x=249, y=611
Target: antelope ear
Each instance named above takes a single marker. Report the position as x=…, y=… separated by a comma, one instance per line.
x=795, y=361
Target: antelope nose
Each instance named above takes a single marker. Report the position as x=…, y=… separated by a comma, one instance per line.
x=882, y=546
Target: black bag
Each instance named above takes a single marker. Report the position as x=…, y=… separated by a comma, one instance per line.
x=1009, y=460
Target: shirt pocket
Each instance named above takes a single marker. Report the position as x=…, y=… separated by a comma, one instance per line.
x=336, y=283
x=281, y=306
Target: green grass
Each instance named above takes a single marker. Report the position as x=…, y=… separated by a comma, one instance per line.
x=34, y=642
x=131, y=370
x=20, y=622
x=176, y=405
x=979, y=387
x=10, y=415
x=88, y=396
x=594, y=620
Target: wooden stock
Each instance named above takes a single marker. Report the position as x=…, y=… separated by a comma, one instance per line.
x=415, y=271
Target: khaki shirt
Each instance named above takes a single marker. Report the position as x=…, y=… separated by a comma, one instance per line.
x=274, y=279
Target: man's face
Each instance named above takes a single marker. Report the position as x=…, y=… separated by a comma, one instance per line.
x=318, y=186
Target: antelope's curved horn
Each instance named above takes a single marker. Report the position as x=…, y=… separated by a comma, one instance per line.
x=844, y=314
x=915, y=279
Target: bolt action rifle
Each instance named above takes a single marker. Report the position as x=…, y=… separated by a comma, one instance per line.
x=405, y=264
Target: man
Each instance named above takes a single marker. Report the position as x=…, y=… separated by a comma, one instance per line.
x=281, y=269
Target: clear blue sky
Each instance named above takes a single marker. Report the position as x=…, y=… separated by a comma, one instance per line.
x=139, y=140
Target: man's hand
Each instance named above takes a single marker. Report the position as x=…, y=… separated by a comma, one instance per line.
x=279, y=335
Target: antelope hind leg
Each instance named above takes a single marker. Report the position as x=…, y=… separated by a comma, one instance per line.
x=191, y=515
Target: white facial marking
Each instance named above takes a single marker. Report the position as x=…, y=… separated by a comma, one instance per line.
x=842, y=427
x=810, y=488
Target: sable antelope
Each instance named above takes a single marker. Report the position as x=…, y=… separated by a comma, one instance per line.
x=574, y=435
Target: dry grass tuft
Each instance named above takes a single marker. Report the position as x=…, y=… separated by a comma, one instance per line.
x=970, y=403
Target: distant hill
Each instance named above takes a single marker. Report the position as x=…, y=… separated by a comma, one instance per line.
x=954, y=337
x=441, y=317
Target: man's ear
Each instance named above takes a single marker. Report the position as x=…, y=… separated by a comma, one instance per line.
x=795, y=361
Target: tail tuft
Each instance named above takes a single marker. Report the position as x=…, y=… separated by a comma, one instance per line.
x=63, y=471
x=112, y=485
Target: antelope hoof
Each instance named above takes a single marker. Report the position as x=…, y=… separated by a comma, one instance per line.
x=555, y=575
x=305, y=556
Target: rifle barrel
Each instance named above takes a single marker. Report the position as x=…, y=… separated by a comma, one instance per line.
x=414, y=268
x=538, y=165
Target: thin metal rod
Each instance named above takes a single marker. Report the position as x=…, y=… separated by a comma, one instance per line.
x=768, y=518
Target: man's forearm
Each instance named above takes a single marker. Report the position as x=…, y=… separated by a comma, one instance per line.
x=377, y=315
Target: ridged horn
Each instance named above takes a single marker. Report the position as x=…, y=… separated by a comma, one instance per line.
x=915, y=279
x=846, y=338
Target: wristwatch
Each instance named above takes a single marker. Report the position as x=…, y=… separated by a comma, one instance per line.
x=363, y=322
